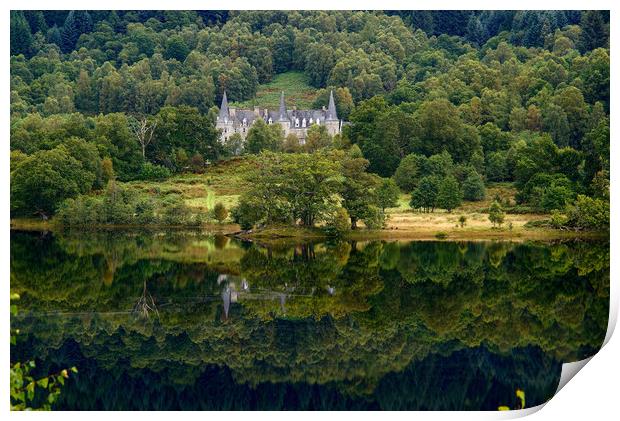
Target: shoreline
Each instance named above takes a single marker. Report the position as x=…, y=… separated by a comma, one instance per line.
x=292, y=233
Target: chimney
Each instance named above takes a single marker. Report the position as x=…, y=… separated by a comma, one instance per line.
x=232, y=111
x=256, y=110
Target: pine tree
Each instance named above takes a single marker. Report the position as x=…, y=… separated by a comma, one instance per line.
x=70, y=33
x=593, y=31
x=83, y=22
x=54, y=36
x=21, y=37
x=36, y=20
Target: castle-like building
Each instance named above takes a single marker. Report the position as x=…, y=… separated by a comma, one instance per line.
x=231, y=120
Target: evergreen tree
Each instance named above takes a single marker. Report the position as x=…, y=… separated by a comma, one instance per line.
x=36, y=20
x=54, y=36
x=593, y=30
x=21, y=37
x=70, y=33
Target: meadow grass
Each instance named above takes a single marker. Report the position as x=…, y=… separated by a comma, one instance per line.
x=297, y=92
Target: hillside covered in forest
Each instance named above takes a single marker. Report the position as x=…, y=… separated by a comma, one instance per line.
x=440, y=106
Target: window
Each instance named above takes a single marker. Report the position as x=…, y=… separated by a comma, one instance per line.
x=296, y=122
x=303, y=123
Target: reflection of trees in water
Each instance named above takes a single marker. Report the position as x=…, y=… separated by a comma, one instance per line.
x=467, y=379
x=391, y=305
x=145, y=306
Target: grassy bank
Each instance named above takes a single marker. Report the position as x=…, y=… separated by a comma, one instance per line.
x=224, y=183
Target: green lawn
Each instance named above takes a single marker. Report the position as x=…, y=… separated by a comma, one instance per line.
x=297, y=92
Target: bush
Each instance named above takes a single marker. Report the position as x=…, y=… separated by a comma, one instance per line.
x=339, y=223
x=374, y=218
x=175, y=211
x=145, y=212
x=588, y=213
x=247, y=214
x=154, y=172
x=220, y=212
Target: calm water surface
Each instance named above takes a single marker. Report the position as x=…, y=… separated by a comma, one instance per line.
x=188, y=321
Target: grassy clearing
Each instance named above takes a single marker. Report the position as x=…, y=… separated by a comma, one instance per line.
x=220, y=183
x=296, y=89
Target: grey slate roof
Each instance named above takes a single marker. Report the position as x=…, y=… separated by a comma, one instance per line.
x=282, y=114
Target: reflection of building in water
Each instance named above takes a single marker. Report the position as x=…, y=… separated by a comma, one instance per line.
x=236, y=289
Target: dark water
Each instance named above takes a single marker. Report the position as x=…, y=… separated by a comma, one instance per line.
x=185, y=321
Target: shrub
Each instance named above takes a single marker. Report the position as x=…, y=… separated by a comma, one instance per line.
x=150, y=171
x=462, y=220
x=175, y=211
x=247, y=214
x=374, y=218
x=220, y=212
x=338, y=223
x=588, y=213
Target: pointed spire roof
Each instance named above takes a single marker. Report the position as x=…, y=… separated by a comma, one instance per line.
x=282, y=113
x=331, y=108
x=224, y=108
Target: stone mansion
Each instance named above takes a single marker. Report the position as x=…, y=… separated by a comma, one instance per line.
x=231, y=120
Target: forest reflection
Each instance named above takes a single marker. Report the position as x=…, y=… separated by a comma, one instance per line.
x=189, y=321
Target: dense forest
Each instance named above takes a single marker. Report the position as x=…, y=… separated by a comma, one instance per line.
x=439, y=102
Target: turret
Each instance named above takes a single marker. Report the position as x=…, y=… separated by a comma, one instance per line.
x=331, y=108
x=223, y=116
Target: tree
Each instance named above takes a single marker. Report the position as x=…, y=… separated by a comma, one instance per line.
x=287, y=188
x=176, y=48
x=425, y=195
x=46, y=178
x=473, y=187
x=339, y=223
x=588, y=213
x=496, y=214
x=220, y=212
x=449, y=195
x=387, y=194
x=233, y=146
x=462, y=220
x=291, y=144
x=357, y=190
x=408, y=171
x=262, y=136
x=21, y=37
x=594, y=33
x=70, y=33
x=143, y=129
x=317, y=137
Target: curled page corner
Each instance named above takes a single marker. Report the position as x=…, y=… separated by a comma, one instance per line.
x=569, y=370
